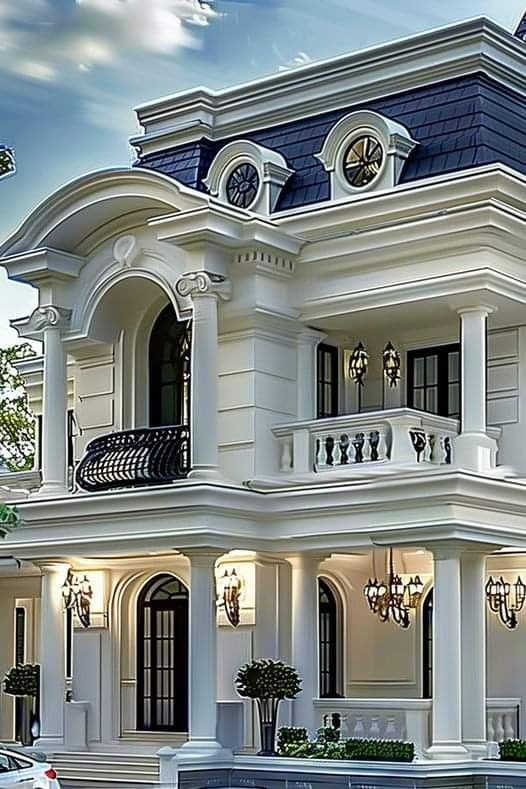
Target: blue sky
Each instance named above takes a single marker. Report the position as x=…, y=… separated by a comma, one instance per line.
x=72, y=70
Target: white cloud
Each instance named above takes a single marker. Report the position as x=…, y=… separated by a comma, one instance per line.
x=40, y=41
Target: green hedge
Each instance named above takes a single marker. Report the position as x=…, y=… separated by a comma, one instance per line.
x=513, y=750
x=293, y=741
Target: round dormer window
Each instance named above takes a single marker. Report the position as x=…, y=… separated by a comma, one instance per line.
x=363, y=160
x=242, y=185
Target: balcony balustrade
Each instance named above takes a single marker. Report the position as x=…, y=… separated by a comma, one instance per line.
x=132, y=458
x=408, y=719
x=401, y=435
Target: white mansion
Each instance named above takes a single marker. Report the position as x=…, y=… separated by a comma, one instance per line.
x=281, y=413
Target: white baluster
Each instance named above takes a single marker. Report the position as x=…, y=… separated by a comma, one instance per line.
x=382, y=448
x=359, y=729
x=491, y=727
x=509, y=729
x=344, y=727
x=367, y=446
x=286, y=454
x=499, y=727
x=430, y=447
x=390, y=729
x=374, y=731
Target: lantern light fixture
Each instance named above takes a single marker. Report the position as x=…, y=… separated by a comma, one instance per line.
x=358, y=365
x=391, y=359
x=506, y=600
x=77, y=594
x=393, y=600
x=231, y=597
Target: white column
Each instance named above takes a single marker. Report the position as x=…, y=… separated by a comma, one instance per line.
x=473, y=580
x=447, y=665
x=204, y=289
x=50, y=321
x=52, y=655
x=473, y=447
x=203, y=654
x=306, y=382
x=305, y=636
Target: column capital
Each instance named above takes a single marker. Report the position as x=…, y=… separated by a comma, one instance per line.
x=204, y=283
x=311, y=337
x=49, y=316
x=477, y=309
x=303, y=558
x=203, y=557
x=49, y=567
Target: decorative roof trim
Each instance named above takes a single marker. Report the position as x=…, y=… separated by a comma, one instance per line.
x=476, y=45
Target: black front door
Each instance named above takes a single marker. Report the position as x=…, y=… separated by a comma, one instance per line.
x=162, y=659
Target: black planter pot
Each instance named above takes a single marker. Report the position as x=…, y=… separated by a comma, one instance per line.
x=268, y=719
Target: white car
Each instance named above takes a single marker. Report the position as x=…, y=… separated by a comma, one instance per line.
x=18, y=770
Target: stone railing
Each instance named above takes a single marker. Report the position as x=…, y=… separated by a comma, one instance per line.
x=401, y=435
x=408, y=719
x=503, y=719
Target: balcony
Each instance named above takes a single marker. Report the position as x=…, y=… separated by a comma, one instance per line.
x=134, y=458
x=397, y=436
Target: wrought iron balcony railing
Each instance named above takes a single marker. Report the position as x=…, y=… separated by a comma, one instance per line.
x=148, y=456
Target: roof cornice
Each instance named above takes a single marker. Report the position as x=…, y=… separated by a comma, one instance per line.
x=476, y=45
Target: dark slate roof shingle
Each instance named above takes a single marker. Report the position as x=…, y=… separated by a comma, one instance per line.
x=466, y=122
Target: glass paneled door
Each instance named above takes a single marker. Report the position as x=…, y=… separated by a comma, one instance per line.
x=162, y=656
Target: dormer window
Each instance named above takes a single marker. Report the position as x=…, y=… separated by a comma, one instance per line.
x=363, y=160
x=247, y=175
x=242, y=185
x=364, y=150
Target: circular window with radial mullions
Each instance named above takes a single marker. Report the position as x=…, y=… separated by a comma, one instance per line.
x=363, y=160
x=242, y=185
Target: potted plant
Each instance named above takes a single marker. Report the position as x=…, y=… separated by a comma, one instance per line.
x=268, y=682
x=23, y=681
x=9, y=519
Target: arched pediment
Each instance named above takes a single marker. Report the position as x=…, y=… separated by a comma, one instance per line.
x=81, y=214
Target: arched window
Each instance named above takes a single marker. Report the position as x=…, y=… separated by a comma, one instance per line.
x=169, y=363
x=329, y=640
x=162, y=655
x=427, y=646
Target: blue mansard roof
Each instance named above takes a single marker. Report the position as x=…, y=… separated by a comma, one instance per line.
x=460, y=123
x=521, y=29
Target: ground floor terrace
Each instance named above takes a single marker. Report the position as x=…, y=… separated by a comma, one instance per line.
x=142, y=664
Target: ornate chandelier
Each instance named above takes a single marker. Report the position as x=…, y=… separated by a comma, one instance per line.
x=393, y=600
x=506, y=600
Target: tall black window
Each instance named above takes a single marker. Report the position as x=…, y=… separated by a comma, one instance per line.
x=433, y=380
x=327, y=381
x=170, y=357
x=162, y=656
x=20, y=657
x=427, y=646
x=328, y=635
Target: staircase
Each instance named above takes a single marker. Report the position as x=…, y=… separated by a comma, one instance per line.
x=105, y=770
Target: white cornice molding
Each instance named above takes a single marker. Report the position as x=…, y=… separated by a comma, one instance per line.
x=475, y=45
x=43, y=266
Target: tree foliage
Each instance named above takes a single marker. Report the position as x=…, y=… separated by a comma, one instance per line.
x=17, y=423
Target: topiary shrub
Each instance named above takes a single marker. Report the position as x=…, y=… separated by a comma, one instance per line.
x=22, y=680
x=513, y=750
x=289, y=738
x=268, y=682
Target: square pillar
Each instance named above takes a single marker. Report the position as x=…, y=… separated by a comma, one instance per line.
x=447, y=656
x=474, y=449
x=202, y=742
x=473, y=612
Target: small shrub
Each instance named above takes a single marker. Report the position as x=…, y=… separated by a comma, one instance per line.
x=22, y=680
x=380, y=750
x=327, y=734
x=513, y=750
x=268, y=679
x=289, y=737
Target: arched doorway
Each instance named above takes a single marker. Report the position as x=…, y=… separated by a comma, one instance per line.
x=162, y=655
x=169, y=370
x=427, y=646
x=329, y=628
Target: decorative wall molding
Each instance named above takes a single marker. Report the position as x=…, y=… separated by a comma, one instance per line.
x=203, y=283
x=266, y=261
x=47, y=317
x=126, y=250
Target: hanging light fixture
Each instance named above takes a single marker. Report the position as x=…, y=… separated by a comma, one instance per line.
x=358, y=364
x=506, y=600
x=232, y=585
x=391, y=359
x=77, y=594
x=393, y=600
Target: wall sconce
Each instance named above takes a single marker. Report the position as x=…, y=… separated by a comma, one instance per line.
x=391, y=365
x=358, y=364
x=231, y=596
x=506, y=600
x=77, y=594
